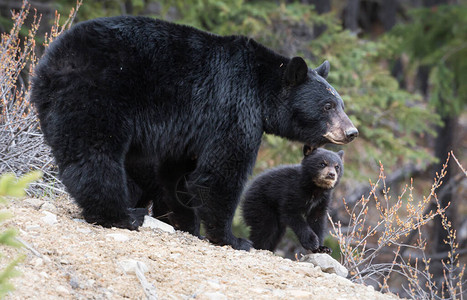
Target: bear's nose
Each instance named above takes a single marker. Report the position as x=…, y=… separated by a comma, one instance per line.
x=351, y=133
x=331, y=175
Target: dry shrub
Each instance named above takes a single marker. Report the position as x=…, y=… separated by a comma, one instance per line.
x=380, y=252
x=22, y=146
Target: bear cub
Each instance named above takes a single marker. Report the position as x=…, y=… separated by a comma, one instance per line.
x=296, y=196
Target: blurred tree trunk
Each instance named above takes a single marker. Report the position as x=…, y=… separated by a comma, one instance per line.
x=387, y=13
x=321, y=7
x=374, y=17
x=443, y=144
x=351, y=15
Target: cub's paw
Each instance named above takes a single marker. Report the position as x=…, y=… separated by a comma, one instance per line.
x=322, y=249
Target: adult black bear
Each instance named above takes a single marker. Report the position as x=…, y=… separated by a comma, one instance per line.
x=296, y=196
x=130, y=104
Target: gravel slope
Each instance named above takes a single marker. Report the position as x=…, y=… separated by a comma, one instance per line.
x=70, y=259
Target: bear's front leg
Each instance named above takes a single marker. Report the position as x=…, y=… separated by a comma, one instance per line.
x=218, y=186
x=219, y=201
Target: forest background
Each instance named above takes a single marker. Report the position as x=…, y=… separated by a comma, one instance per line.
x=401, y=68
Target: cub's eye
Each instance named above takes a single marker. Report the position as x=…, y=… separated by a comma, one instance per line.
x=323, y=165
x=328, y=106
x=337, y=168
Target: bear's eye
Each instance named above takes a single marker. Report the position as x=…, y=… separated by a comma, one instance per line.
x=337, y=168
x=323, y=165
x=328, y=106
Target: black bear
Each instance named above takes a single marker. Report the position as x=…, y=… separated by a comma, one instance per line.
x=296, y=196
x=130, y=105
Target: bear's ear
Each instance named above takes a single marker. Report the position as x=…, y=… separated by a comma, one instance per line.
x=296, y=71
x=307, y=150
x=323, y=70
x=341, y=154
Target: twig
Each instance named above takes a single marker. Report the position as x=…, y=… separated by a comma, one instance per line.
x=29, y=247
x=149, y=289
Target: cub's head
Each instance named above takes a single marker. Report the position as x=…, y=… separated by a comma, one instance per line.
x=316, y=110
x=323, y=167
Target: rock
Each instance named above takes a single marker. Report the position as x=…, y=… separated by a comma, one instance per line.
x=118, y=237
x=34, y=203
x=37, y=262
x=326, y=263
x=49, y=218
x=90, y=282
x=131, y=265
x=49, y=207
x=74, y=283
x=298, y=294
x=215, y=296
x=214, y=284
x=153, y=223
x=62, y=289
x=33, y=227
x=83, y=230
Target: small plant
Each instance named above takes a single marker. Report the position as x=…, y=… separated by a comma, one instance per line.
x=375, y=250
x=11, y=186
x=22, y=146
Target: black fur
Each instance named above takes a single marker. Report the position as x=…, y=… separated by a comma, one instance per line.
x=138, y=110
x=296, y=196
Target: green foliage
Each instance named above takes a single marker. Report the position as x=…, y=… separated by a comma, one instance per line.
x=437, y=37
x=10, y=186
x=252, y=18
x=389, y=119
x=333, y=244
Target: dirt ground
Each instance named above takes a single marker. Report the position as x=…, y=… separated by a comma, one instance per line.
x=66, y=258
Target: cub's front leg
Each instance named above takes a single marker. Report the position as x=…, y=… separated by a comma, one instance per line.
x=305, y=234
x=316, y=219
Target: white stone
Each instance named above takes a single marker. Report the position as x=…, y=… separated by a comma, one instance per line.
x=49, y=207
x=83, y=230
x=299, y=294
x=33, y=227
x=153, y=223
x=91, y=282
x=215, y=296
x=62, y=289
x=118, y=237
x=33, y=202
x=326, y=263
x=49, y=218
x=130, y=266
x=38, y=262
x=214, y=285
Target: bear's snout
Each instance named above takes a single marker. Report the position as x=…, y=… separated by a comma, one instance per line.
x=331, y=175
x=351, y=134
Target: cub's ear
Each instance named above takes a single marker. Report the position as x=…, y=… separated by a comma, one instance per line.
x=323, y=70
x=341, y=154
x=307, y=150
x=296, y=71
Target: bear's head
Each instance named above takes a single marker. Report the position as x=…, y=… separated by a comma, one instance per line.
x=323, y=167
x=315, y=111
